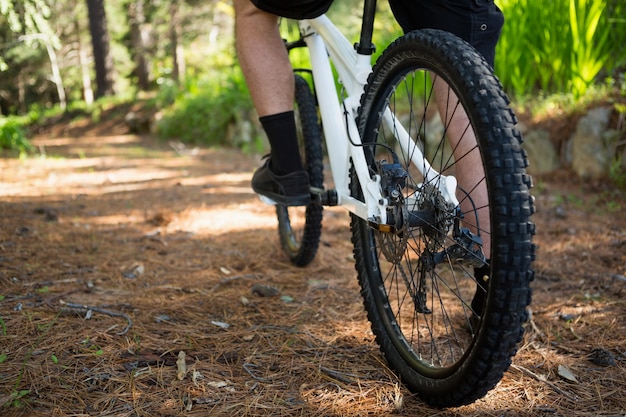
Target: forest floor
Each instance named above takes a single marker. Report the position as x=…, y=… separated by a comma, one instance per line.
x=119, y=251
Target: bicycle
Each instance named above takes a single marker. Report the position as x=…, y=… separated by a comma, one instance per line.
x=425, y=156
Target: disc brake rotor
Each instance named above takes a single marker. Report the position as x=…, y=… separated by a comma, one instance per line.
x=393, y=245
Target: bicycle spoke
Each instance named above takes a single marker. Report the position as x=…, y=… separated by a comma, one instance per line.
x=423, y=280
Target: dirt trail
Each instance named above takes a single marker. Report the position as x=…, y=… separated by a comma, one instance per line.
x=166, y=246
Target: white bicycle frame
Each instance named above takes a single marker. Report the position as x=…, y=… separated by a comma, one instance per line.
x=325, y=44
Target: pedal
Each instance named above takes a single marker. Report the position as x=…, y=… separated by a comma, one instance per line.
x=267, y=200
x=318, y=196
x=381, y=227
x=324, y=197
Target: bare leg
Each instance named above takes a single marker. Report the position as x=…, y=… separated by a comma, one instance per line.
x=264, y=60
x=265, y=64
x=469, y=166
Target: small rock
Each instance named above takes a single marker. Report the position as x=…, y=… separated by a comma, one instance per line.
x=22, y=231
x=136, y=271
x=160, y=318
x=560, y=212
x=264, y=290
x=542, y=154
x=602, y=357
x=567, y=317
x=590, y=155
x=50, y=215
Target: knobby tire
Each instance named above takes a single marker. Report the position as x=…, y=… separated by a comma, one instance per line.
x=300, y=228
x=447, y=347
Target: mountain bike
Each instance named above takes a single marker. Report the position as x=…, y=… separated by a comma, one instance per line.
x=424, y=154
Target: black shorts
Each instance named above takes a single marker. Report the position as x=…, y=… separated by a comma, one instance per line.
x=294, y=9
x=479, y=22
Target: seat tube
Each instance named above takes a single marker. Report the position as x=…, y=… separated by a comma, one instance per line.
x=334, y=124
x=365, y=45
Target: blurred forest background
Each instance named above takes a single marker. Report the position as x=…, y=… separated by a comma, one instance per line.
x=171, y=66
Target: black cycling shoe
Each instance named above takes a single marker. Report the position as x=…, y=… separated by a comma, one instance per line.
x=289, y=190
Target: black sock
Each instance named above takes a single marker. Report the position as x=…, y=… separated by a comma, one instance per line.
x=281, y=133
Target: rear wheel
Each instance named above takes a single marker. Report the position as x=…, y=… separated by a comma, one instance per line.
x=447, y=289
x=300, y=228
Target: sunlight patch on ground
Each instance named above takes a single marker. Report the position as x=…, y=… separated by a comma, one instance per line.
x=223, y=219
x=86, y=140
x=219, y=179
x=204, y=220
x=108, y=174
x=126, y=218
x=89, y=182
x=228, y=183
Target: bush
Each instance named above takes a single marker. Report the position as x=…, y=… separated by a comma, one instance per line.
x=13, y=135
x=560, y=46
x=204, y=111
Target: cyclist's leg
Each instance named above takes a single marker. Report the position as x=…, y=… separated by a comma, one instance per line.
x=266, y=67
x=264, y=60
x=478, y=22
x=469, y=166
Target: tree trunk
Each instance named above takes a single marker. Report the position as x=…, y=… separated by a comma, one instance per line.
x=139, y=43
x=178, y=70
x=101, y=52
x=84, y=70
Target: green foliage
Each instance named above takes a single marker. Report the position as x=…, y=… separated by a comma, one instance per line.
x=24, y=18
x=617, y=172
x=589, y=45
x=13, y=135
x=561, y=45
x=204, y=109
x=17, y=399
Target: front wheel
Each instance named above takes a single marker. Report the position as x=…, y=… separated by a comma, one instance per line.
x=300, y=228
x=446, y=289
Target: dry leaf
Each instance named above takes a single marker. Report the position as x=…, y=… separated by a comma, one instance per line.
x=225, y=385
x=195, y=376
x=565, y=373
x=220, y=324
x=181, y=365
x=217, y=384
